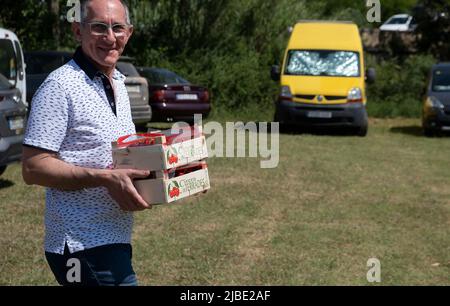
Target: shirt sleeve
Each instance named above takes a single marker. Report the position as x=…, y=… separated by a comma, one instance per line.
x=48, y=120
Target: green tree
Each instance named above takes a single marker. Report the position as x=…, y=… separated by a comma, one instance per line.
x=433, y=18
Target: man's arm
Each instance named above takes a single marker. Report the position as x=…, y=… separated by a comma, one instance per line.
x=41, y=167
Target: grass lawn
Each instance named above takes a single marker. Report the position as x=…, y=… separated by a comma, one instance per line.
x=332, y=203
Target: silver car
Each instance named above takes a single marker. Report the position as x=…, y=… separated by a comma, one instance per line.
x=137, y=88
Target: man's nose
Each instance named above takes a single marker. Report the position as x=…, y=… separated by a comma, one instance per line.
x=111, y=36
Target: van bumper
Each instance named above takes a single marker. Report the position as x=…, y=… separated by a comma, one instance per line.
x=304, y=114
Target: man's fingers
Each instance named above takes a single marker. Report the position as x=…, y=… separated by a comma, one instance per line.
x=139, y=173
x=139, y=201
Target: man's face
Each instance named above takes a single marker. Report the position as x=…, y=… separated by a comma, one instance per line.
x=104, y=50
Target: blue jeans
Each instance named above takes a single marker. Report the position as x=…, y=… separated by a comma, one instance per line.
x=106, y=265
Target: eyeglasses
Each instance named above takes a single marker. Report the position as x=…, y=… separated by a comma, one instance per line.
x=102, y=29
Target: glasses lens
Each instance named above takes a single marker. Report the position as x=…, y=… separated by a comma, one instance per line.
x=119, y=28
x=99, y=28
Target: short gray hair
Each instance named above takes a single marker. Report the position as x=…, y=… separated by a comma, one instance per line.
x=83, y=9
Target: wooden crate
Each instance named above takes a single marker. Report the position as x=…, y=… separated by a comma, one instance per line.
x=166, y=187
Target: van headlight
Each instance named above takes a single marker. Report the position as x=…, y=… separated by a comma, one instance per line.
x=354, y=95
x=433, y=102
x=16, y=97
x=285, y=93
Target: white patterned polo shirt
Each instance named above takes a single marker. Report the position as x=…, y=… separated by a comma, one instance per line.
x=76, y=114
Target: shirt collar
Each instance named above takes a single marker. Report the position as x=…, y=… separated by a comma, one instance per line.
x=91, y=71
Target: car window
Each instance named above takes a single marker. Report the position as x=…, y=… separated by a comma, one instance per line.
x=44, y=63
x=127, y=69
x=151, y=76
x=398, y=20
x=163, y=76
x=441, y=81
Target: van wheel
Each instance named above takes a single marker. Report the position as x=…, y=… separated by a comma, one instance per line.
x=362, y=131
x=276, y=117
x=2, y=169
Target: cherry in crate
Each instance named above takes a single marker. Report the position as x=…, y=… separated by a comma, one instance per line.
x=159, y=137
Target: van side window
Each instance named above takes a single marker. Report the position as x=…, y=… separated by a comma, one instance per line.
x=8, y=64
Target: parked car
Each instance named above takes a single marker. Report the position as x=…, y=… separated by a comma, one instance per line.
x=137, y=88
x=322, y=80
x=13, y=108
x=41, y=63
x=399, y=23
x=174, y=98
x=436, y=105
x=12, y=123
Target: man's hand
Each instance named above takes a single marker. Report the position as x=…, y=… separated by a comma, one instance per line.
x=119, y=183
x=43, y=168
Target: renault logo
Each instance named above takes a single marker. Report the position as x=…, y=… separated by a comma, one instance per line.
x=319, y=98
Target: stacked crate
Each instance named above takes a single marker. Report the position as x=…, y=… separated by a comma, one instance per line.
x=177, y=163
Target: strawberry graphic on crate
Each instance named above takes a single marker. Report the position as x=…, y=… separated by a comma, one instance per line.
x=173, y=190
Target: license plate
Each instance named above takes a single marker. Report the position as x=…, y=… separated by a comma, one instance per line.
x=15, y=123
x=187, y=97
x=133, y=89
x=316, y=114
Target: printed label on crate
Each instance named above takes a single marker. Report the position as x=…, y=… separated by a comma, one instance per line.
x=185, y=152
x=187, y=185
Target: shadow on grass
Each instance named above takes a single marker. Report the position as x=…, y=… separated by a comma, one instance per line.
x=265, y=127
x=412, y=130
x=5, y=183
x=318, y=131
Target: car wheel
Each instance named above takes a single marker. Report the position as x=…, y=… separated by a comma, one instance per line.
x=428, y=132
x=2, y=169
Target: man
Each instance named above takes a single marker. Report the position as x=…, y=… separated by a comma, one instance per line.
x=76, y=113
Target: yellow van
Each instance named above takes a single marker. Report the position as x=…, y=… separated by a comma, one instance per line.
x=323, y=77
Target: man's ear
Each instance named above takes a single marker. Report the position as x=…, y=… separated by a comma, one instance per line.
x=76, y=29
x=131, y=31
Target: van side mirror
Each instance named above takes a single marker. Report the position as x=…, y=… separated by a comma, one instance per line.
x=370, y=75
x=275, y=73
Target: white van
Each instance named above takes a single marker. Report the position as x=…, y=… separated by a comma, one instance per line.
x=13, y=107
x=12, y=65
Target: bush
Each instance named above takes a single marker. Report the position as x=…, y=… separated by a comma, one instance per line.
x=399, y=87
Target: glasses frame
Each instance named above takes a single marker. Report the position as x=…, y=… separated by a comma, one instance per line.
x=108, y=26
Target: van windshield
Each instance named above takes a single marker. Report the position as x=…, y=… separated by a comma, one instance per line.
x=441, y=81
x=323, y=63
x=8, y=65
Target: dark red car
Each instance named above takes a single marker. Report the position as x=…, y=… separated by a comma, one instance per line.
x=172, y=98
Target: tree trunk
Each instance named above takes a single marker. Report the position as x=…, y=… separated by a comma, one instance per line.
x=53, y=8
